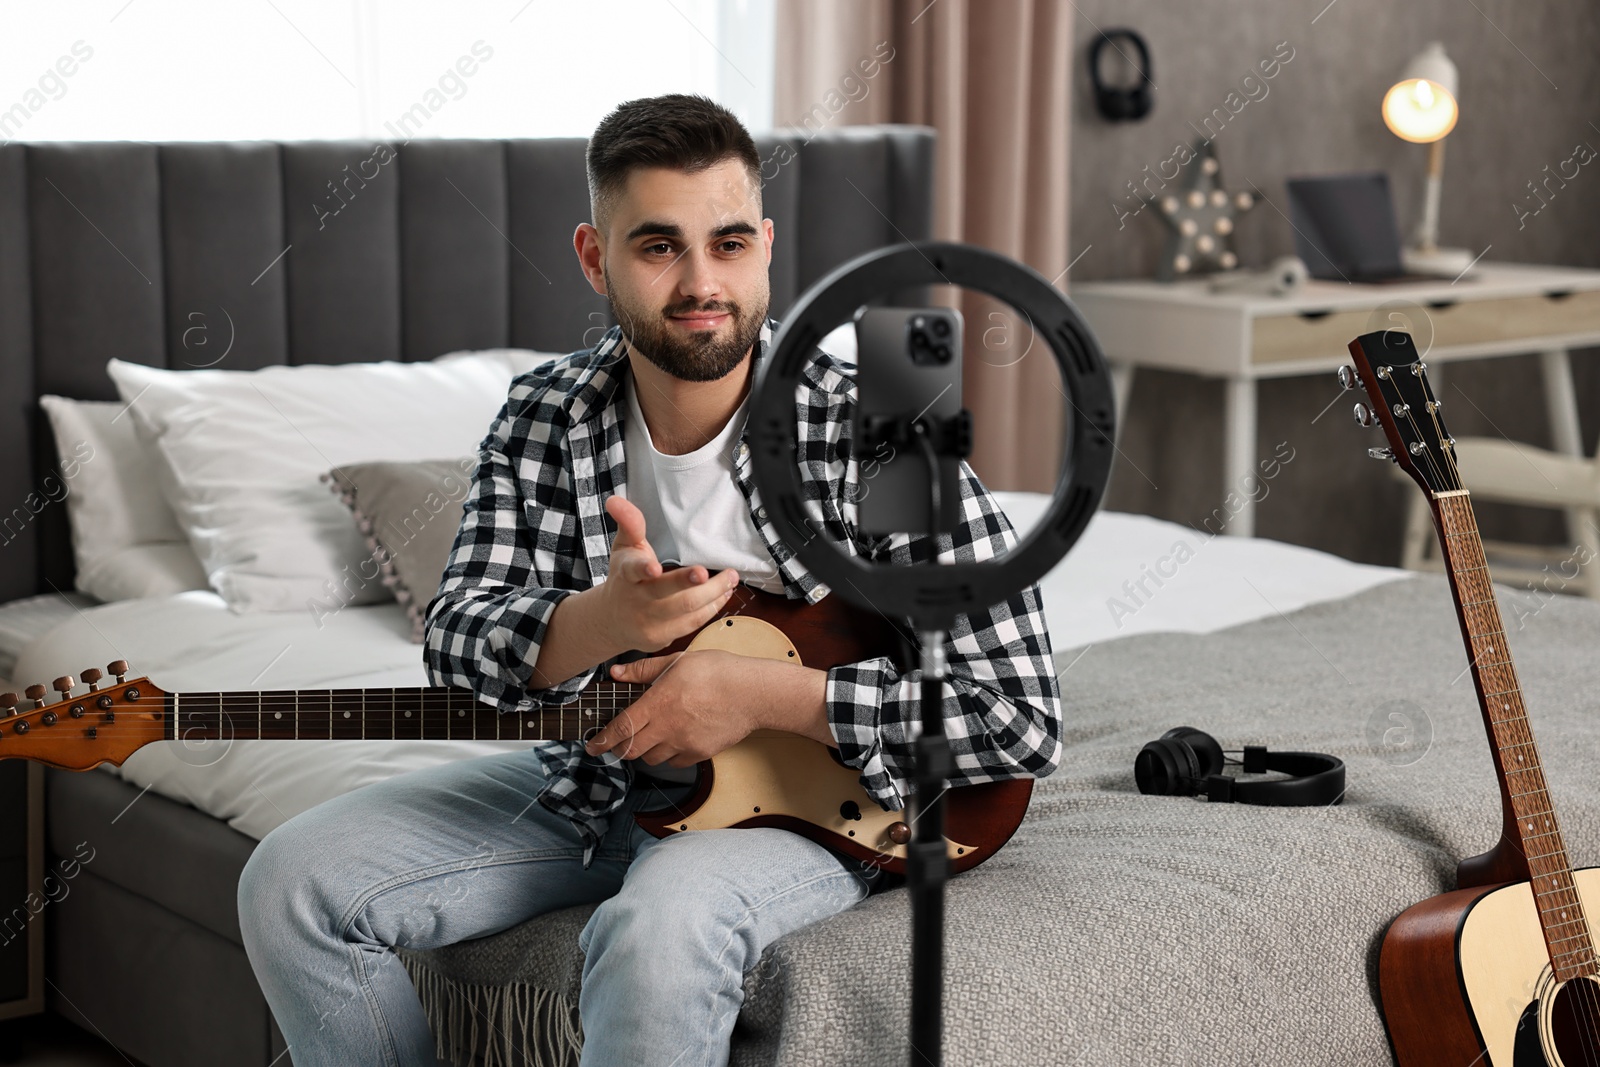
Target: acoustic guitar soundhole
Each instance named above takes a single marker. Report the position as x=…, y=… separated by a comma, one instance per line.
x=1563, y=1030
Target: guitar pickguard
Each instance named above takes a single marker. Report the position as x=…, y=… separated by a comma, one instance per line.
x=775, y=778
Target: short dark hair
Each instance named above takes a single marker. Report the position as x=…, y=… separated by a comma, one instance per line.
x=682, y=131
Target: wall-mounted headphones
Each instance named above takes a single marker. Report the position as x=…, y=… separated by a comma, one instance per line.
x=1121, y=103
x=1187, y=762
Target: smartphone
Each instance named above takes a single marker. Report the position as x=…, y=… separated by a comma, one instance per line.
x=908, y=362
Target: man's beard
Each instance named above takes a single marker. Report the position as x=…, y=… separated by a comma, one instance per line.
x=699, y=356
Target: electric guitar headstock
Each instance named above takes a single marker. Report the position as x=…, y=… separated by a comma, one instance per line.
x=76, y=733
x=1400, y=399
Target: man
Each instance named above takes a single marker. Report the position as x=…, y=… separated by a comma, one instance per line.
x=543, y=596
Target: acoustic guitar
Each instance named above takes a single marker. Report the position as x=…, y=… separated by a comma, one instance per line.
x=771, y=778
x=1502, y=971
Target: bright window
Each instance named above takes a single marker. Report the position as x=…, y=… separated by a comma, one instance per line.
x=178, y=70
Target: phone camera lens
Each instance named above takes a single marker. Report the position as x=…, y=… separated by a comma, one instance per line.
x=919, y=339
x=941, y=327
x=943, y=352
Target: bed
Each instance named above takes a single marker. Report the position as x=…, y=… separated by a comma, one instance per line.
x=200, y=255
x=1114, y=927
x=229, y=795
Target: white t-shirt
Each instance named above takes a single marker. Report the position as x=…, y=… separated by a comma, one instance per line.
x=694, y=512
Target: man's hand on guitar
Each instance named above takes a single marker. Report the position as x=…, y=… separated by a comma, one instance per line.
x=650, y=607
x=698, y=704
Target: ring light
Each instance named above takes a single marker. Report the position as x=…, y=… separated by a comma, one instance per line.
x=937, y=593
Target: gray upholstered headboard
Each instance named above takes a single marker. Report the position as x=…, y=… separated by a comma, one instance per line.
x=334, y=252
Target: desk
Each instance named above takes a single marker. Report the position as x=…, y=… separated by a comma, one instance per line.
x=1501, y=309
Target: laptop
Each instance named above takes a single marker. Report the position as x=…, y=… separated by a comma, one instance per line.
x=1345, y=230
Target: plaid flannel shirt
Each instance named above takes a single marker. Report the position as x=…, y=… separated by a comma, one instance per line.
x=535, y=531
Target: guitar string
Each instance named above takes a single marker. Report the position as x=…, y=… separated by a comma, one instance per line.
x=1587, y=993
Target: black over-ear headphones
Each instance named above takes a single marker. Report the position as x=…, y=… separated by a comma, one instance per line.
x=1121, y=103
x=1186, y=761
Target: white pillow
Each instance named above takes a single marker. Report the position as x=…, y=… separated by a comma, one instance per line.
x=126, y=542
x=518, y=360
x=239, y=454
x=159, y=568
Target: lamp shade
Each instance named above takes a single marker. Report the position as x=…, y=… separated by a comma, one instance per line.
x=1421, y=106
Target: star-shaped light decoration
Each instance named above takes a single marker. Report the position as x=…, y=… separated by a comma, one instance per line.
x=1199, y=219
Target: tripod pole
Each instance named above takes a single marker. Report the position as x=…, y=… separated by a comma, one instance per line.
x=927, y=863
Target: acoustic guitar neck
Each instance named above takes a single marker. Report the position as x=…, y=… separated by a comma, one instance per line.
x=1531, y=847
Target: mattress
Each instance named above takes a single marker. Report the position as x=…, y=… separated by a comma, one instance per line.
x=1127, y=575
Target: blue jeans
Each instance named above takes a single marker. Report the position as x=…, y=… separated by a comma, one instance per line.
x=461, y=850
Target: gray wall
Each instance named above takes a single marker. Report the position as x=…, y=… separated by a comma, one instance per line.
x=1528, y=96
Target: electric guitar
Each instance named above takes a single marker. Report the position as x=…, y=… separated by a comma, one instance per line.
x=771, y=778
x=1502, y=971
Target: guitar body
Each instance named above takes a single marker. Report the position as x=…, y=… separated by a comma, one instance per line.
x=1466, y=979
x=774, y=778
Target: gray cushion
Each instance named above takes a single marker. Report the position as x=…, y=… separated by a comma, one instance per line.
x=409, y=513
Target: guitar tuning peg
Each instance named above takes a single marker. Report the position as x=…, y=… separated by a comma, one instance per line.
x=118, y=667
x=35, y=693
x=1348, y=378
x=1364, y=416
x=63, y=685
x=1380, y=453
x=91, y=678
x=8, y=703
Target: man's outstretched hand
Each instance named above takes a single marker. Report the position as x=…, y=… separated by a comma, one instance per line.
x=646, y=606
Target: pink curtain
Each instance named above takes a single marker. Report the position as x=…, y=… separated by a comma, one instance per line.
x=994, y=79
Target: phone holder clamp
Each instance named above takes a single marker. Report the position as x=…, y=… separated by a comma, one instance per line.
x=951, y=436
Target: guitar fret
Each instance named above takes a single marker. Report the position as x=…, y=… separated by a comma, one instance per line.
x=1566, y=907
x=275, y=716
x=344, y=705
x=1541, y=856
x=1570, y=937
x=408, y=714
x=435, y=716
x=1573, y=951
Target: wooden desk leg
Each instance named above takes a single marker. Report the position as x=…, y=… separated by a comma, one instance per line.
x=1239, y=451
x=1121, y=386
x=1561, y=402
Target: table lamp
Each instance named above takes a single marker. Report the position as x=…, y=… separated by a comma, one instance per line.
x=1421, y=108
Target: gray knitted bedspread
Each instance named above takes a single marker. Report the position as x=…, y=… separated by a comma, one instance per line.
x=1117, y=928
